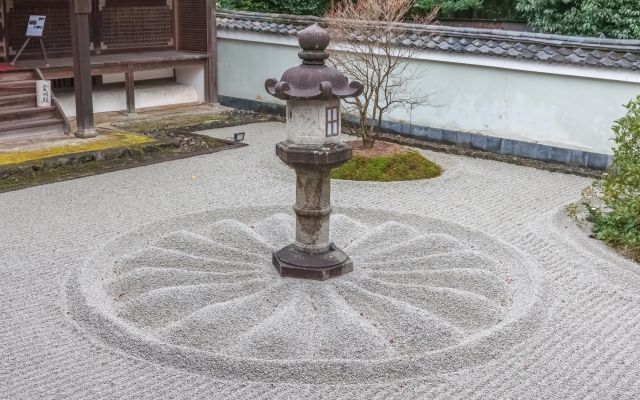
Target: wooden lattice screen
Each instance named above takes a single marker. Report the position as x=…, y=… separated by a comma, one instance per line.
x=3, y=52
x=139, y=25
x=192, y=25
x=57, y=29
x=138, y=3
x=123, y=23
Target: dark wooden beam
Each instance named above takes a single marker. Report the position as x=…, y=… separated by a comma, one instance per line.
x=129, y=89
x=80, y=11
x=97, y=25
x=211, y=72
x=120, y=68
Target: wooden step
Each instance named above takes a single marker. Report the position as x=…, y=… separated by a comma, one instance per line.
x=27, y=114
x=17, y=87
x=18, y=101
x=9, y=76
x=18, y=126
x=30, y=128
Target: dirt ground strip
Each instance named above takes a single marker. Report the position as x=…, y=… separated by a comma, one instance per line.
x=380, y=149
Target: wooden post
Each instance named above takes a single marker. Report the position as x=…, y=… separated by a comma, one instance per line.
x=80, y=11
x=211, y=72
x=129, y=88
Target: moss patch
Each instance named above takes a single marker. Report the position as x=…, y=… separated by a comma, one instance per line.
x=51, y=175
x=109, y=141
x=213, y=142
x=148, y=141
x=402, y=167
x=183, y=121
x=39, y=172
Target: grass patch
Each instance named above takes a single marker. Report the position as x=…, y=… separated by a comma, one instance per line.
x=402, y=167
x=109, y=141
x=183, y=121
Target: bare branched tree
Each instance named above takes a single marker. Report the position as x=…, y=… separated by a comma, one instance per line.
x=367, y=45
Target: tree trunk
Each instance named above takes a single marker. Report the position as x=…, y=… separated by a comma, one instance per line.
x=368, y=140
x=368, y=135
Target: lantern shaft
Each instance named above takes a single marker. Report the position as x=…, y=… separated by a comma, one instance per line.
x=313, y=207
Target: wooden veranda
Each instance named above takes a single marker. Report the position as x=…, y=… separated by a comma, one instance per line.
x=88, y=38
x=60, y=68
x=127, y=63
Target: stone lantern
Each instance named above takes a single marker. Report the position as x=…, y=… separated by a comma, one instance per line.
x=313, y=148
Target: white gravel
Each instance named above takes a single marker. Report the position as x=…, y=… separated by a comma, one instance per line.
x=150, y=283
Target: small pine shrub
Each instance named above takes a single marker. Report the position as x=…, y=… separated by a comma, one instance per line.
x=613, y=203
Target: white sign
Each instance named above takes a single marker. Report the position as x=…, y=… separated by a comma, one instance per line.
x=36, y=25
x=43, y=89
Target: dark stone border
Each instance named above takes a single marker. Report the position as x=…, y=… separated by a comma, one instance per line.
x=85, y=157
x=464, y=140
x=47, y=164
x=485, y=155
x=253, y=105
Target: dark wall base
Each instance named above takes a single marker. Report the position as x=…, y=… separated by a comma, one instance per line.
x=460, y=139
x=253, y=105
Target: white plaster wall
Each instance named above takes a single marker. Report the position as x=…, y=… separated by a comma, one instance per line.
x=549, y=106
x=139, y=76
x=194, y=77
x=146, y=96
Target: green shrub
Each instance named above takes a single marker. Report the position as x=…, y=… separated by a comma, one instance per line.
x=402, y=167
x=619, y=19
x=300, y=7
x=447, y=6
x=613, y=203
x=320, y=7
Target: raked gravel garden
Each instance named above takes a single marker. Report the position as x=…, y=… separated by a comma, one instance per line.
x=156, y=282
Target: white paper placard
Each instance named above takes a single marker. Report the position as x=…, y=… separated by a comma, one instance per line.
x=43, y=90
x=36, y=25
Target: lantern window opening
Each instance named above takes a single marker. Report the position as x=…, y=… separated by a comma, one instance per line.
x=333, y=117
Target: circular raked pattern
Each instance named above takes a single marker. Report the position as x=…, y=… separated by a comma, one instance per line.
x=199, y=292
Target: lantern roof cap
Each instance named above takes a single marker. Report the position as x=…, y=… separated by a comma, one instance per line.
x=313, y=80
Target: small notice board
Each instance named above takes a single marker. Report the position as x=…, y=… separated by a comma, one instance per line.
x=34, y=30
x=36, y=25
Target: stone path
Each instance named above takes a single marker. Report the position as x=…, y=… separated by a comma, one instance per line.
x=497, y=294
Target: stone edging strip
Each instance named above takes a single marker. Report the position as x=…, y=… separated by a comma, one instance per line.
x=91, y=156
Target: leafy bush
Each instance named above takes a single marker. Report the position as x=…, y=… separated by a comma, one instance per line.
x=613, y=203
x=619, y=19
x=298, y=7
x=320, y=7
x=446, y=5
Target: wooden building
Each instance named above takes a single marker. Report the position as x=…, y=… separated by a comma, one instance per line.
x=88, y=39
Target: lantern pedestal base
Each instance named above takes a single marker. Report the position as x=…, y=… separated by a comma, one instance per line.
x=292, y=263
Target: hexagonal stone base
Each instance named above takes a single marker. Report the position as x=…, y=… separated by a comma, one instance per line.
x=291, y=263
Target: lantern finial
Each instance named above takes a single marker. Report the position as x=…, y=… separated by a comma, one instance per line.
x=313, y=80
x=313, y=41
